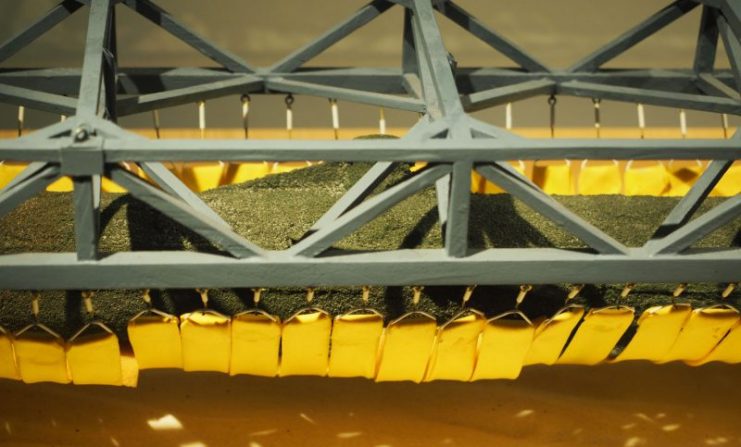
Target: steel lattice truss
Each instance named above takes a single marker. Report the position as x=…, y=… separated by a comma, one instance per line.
x=89, y=146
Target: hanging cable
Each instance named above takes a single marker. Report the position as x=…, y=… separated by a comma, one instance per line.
x=21, y=119
x=202, y=118
x=246, y=115
x=641, y=120
x=382, y=122
x=683, y=123
x=724, y=124
x=156, y=123
x=552, y=104
x=335, y=118
x=597, y=118
x=508, y=116
x=289, y=115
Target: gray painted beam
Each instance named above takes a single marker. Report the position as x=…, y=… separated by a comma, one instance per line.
x=360, y=18
x=442, y=193
x=167, y=22
x=87, y=217
x=693, y=231
x=355, y=195
x=733, y=49
x=407, y=150
x=91, y=82
x=732, y=12
x=510, y=93
x=32, y=185
x=200, y=223
x=544, y=204
x=170, y=183
x=688, y=205
x=712, y=86
x=635, y=35
x=363, y=213
x=137, y=270
x=186, y=95
x=38, y=28
x=707, y=41
x=459, y=206
x=358, y=96
x=654, y=97
x=465, y=20
x=32, y=99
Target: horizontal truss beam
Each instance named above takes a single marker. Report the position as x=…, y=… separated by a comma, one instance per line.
x=137, y=270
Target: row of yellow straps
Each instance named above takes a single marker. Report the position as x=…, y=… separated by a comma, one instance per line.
x=560, y=177
x=413, y=347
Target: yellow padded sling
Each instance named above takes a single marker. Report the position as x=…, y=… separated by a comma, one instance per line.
x=205, y=337
x=481, y=185
x=155, y=338
x=93, y=357
x=702, y=331
x=554, y=177
x=255, y=344
x=202, y=176
x=597, y=335
x=241, y=172
x=503, y=347
x=406, y=348
x=730, y=184
x=645, y=179
x=355, y=340
x=41, y=356
x=551, y=336
x=306, y=337
x=454, y=354
x=658, y=329
x=599, y=177
x=8, y=171
x=682, y=176
x=8, y=368
x=728, y=350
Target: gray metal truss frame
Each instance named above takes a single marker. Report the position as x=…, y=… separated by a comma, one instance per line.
x=90, y=145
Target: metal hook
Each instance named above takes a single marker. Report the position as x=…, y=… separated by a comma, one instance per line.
x=202, y=118
x=508, y=116
x=21, y=120
x=335, y=118
x=156, y=122
x=467, y=294
x=381, y=122
x=87, y=298
x=574, y=290
x=683, y=123
x=524, y=289
x=204, y=297
x=724, y=124
x=597, y=120
x=35, y=298
x=728, y=290
x=246, y=115
x=641, y=120
x=289, y=115
x=552, y=103
x=257, y=295
x=627, y=289
x=417, y=294
x=147, y=298
x=366, y=295
x=310, y=294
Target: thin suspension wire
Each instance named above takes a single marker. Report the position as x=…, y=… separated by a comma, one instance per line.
x=724, y=124
x=552, y=104
x=21, y=119
x=508, y=116
x=641, y=120
x=335, y=118
x=246, y=115
x=381, y=121
x=202, y=118
x=683, y=123
x=156, y=123
x=597, y=118
x=289, y=115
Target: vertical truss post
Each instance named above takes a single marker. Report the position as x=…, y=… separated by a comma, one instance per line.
x=87, y=216
x=707, y=41
x=91, y=83
x=456, y=229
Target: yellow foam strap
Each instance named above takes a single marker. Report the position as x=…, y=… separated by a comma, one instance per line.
x=701, y=333
x=554, y=177
x=454, y=354
x=682, y=175
x=305, y=349
x=551, y=335
x=599, y=177
x=8, y=368
x=645, y=179
x=94, y=357
x=287, y=166
x=730, y=184
x=597, y=335
x=205, y=339
x=355, y=340
x=255, y=344
x=727, y=351
x=503, y=347
x=406, y=348
x=658, y=329
x=481, y=185
x=41, y=356
x=8, y=171
x=155, y=338
x=202, y=176
x=242, y=172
